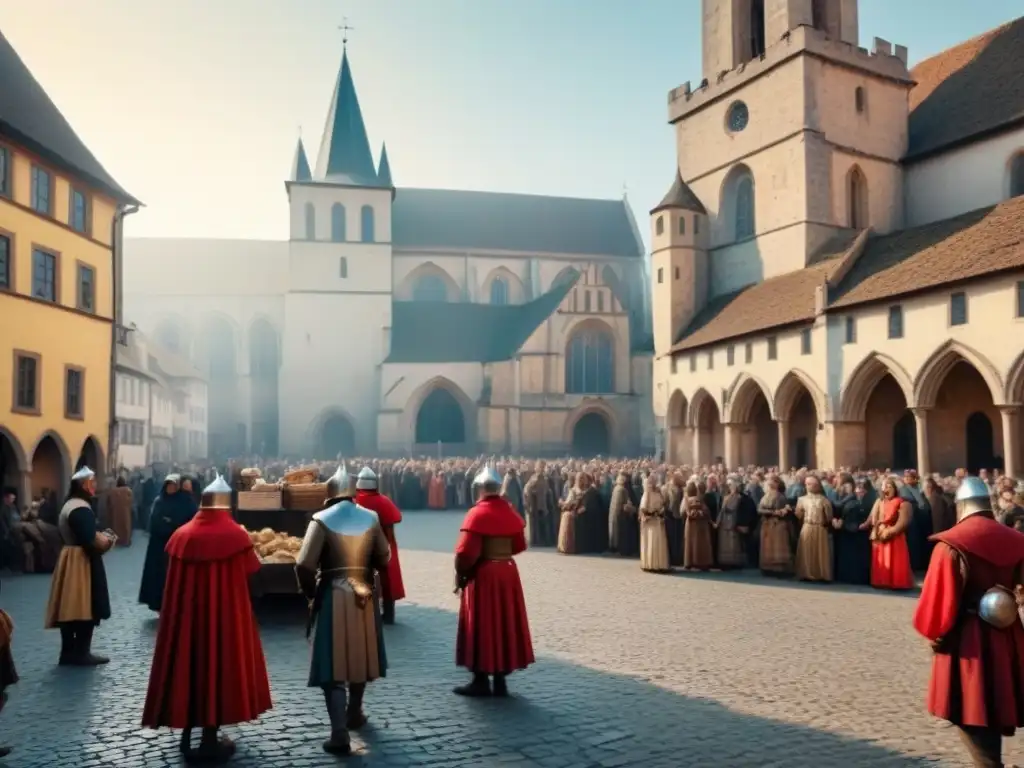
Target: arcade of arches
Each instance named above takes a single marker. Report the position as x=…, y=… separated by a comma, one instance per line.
x=48, y=468
x=958, y=420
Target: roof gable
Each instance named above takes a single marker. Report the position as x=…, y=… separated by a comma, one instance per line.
x=967, y=91
x=499, y=221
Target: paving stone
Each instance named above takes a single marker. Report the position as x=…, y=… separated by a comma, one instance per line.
x=633, y=669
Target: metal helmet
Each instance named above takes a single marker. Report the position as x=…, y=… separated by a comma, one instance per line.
x=217, y=495
x=366, y=480
x=340, y=485
x=972, y=497
x=82, y=475
x=999, y=608
x=487, y=482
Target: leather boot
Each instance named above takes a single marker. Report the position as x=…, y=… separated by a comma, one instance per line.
x=84, y=656
x=354, y=717
x=500, y=686
x=213, y=748
x=481, y=686
x=67, y=644
x=339, y=743
x=388, y=616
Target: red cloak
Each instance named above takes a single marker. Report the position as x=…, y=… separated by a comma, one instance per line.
x=208, y=667
x=391, y=586
x=494, y=630
x=978, y=672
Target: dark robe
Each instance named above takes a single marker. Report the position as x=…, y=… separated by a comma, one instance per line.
x=170, y=512
x=920, y=526
x=747, y=517
x=852, y=545
x=627, y=524
x=674, y=523
x=591, y=524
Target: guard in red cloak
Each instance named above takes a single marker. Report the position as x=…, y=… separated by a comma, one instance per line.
x=494, y=632
x=367, y=495
x=969, y=613
x=208, y=668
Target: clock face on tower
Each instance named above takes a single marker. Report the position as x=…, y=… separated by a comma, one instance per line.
x=738, y=117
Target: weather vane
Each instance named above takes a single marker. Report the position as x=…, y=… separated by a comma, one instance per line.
x=345, y=29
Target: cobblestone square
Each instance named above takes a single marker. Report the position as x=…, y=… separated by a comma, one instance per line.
x=633, y=670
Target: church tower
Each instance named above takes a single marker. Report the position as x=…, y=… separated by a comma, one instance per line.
x=679, y=263
x=793, y=135
x=337, y=308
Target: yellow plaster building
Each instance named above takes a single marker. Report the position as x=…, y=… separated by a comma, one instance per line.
x=60, y=218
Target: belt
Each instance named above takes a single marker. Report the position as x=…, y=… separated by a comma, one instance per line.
x=496, y=558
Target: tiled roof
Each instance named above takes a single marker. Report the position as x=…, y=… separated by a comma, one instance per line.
x=30, y=119
x=972, y=245
x=968, y=90
x=680, y=195
x=462, y=220
x=464, y=332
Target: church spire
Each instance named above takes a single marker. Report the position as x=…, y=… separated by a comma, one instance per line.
x=384, y=169
x=345, y=149
x=300, y=165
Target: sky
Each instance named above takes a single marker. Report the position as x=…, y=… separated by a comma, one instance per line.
x=195, y=106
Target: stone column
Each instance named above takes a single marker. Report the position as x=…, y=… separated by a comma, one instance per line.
x=733, y=435
x=783, y=445
x=1011, y=439
x=923, y=461
x=698, y=458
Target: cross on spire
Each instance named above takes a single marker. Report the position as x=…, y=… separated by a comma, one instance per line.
x=345, y=29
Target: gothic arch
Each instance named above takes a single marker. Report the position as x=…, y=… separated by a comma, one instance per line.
x=21, y=461
x=941, y=362
x=789, y=391
x=92, y=455
x=590, y=354
x=566, y=275
x=334, y=425
x=856, y=392
x=262, y=327
x=62, y=448
x=425, y=390
x=857, y=199
x=738, y=208
x=742, y=395
x=598, y=407
x=677, y=407
x=424, y=283
x=701, y=399
x=513, y=286
x=1015, y=381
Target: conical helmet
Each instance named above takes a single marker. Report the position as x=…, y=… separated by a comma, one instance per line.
x=340, y=485
x=367, y=480
x=217, y=495
x=83, y=474
x=487, y=481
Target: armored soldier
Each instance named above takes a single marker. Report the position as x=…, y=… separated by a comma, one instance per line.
x=343, y=547
x=969, y=613
x=79, y=598
x=392, y=588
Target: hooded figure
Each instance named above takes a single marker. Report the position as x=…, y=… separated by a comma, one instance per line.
x=344, y=545
x=208, y=666
x=367, y=495
x=79, y=599
x=171, y=510
x=494, y=631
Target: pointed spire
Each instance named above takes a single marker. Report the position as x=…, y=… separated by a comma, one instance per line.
x=300, y=165
x=345, y=155
x=681, y=196
x=384, y=169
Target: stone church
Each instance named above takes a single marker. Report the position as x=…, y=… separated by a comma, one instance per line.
x=396, y=321
x=838, y=268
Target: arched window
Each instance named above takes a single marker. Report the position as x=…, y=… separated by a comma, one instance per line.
x=659, y=225
x=1017, y=175
x=859, y=99
x=857, y=198
x=757, y=35
x=430, y=288
x=310, y=222
x=366, y=220
x=743, y=200
x=590, y=363
x=499, y=291
x=338, y=223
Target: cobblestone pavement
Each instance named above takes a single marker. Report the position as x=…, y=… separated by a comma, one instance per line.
x=634, y=669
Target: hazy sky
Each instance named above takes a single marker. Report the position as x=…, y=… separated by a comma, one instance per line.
x=195, y=105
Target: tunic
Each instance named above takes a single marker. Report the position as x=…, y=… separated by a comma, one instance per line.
x=494, y=630
x=697, y=549
x=977, y=670
x=777, y=534
x=208, y=666
x=814, y=547
x=730, y=542
x=78, y=591
x=539, y=506
x=344, y=545
x=653, y=542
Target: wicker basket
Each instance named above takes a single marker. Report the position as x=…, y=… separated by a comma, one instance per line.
x=254, y=500
x=304, y=476
x=308, y=497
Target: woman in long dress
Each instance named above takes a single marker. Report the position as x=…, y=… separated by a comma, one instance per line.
x=653, y=541
x=814, y=547
x=777, y=530
x=697, y=552
x=171, y=510
x=623, y=514
x=731, y=553
x=673, y=493
x=853, y=546
x=567, y=524
x=890, y=553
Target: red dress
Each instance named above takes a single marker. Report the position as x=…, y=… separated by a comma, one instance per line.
x=391, y=585
x=494, y=631
x=979, y=679
x=208, y=667
x=890, y=559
